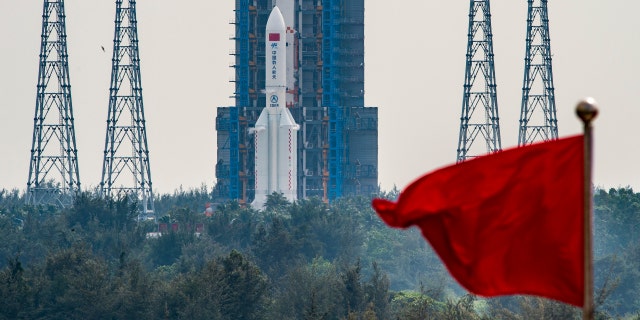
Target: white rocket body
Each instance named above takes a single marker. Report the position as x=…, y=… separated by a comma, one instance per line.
x=287, y=8
x=275, y=131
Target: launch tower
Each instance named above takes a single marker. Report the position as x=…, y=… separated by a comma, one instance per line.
x=338, y=138
x=125, y=169
x=479, y=117
x=538, y=120
x=53, y=169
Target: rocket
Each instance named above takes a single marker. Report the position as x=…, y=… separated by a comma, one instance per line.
x=275, y=131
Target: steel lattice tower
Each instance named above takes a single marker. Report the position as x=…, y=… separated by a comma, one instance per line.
x=125, y=168
x=538, y=120
x=479, y=87
x=53, y=170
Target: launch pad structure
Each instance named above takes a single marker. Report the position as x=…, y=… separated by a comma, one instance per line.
x=54, y=177
x=337, y=149
x=125, y=168
x=538, y=121
x=479, y=119
x=338, y=138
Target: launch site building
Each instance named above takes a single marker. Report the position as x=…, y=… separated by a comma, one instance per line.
x=337, y=149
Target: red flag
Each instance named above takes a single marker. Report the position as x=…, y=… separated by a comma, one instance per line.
x=505, y=223
x=274, y=37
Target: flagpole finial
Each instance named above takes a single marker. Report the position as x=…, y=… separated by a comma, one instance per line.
x=587, y=110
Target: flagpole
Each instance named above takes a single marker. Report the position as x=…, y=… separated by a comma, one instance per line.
x=587, y=111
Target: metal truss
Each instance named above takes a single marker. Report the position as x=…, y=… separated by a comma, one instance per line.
x=538, y=120
x=125, y=170
x=53, y=171
x=479, y=87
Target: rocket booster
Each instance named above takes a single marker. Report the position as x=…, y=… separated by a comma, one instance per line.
x=275, y=130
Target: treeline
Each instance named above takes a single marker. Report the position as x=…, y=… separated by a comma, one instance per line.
x=302, y=260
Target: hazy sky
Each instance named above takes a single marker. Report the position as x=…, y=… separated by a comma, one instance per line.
x=414, y=69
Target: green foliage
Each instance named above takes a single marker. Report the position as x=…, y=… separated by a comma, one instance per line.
x=353, y=288
x=167, y=249
x=14, y=292
x=301, y=260
x=133, y=290
x=73, y=284
x=226, y=288
x=109, y=226
x=377, y=293
x=617, y=220
x=322, y=290
x=412, y=305
x=617, y=249
x=310, y=291
x=233, y=226
x=276, y=249
x=276, y=203
x=193, y=200
x=529, y=307
x=11, y=205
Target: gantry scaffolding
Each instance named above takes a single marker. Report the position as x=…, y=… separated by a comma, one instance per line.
x=479, y=103
x=538, y=120
x=53, y=171
x=125, y=170
x=337, y=142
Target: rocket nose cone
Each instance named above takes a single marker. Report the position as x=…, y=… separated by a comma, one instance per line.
x=276, y=20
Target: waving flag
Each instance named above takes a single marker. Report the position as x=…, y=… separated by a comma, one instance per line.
x=506, y=223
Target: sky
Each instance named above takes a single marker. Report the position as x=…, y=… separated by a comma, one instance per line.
x=414, y=72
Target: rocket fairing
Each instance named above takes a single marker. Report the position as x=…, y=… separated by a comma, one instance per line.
x=287, y=8
x=275, y=131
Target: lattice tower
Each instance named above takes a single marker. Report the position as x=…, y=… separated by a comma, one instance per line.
x=479, y=103
x=538, y=120
x=53, y=170
x=125, y=168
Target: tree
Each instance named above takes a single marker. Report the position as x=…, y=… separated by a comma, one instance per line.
x=462, y=309
x=167, y=249
x=72, y=284
x=377, y=293
x=331, y=231
x=276, y=203
x=412, y=305
x=540, y=308
x=133, y=290
x=275, y=249
x=617, y=220
x=353, y=293
x=192, y=199
x=233, y=226
x=247, y=288
x=312, y=291
x=227, y=288
x=15, y=293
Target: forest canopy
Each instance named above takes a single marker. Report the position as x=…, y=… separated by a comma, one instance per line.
x=301, y=260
